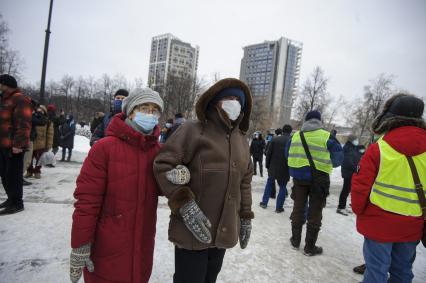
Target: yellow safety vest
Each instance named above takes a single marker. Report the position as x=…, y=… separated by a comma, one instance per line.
x=394, y=189
x=317, y=144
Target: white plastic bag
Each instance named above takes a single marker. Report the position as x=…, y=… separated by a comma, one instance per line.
x=47, y=158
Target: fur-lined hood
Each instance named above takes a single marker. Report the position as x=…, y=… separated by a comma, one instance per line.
x=206, y=97
x=386, y=121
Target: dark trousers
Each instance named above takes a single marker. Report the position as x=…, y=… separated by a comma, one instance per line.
x=11, y=171
x=303, y=193
x=260, y=161
x=345, y=192
x=64, y=149
x=34, y=168
x=197, y=266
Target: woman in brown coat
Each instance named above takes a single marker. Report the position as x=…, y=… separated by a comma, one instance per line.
x=205, y=171
x=43, y=141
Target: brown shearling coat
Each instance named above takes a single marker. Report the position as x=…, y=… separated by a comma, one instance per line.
x=44, y=138
x=217, y=155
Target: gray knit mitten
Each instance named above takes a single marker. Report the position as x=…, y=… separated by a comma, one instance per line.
x=245, y=231
x=179, y=176
x=196, y=222
x=80, y=258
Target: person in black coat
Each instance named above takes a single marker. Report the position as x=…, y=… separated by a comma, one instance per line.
x=256, y=150
x=352, y=156
x=67, y=131
x=277, y=166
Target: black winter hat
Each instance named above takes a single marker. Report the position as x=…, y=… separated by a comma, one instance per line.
x=407, y=106
x=287, y=129
x=122, y=92
x=399, y=110
x=314, y=114
x=8, y=80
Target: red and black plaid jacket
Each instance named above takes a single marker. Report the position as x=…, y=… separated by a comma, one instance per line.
x=15, y=120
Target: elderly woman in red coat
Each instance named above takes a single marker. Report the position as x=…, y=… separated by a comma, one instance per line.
x=114, y=220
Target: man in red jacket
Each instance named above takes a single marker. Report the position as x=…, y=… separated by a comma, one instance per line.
x=383, y=192
x=15, y=127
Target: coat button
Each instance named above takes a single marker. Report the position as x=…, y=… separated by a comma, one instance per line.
x=229, y=197
x=234, y=164
x=224, y=229
x=227, y=136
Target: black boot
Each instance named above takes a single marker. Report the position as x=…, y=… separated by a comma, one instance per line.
x=12, y=209
x=310, y=241
x=5, y=204
x=360, y=269
x=296, y=237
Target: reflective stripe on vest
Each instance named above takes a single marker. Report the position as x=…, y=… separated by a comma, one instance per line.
x=317, y=144
x=394, y=189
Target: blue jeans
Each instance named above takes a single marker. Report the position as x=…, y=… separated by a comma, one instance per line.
x=281, y=193
x=393, y=258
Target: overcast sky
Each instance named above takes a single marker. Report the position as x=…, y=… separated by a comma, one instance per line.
x=353, y=41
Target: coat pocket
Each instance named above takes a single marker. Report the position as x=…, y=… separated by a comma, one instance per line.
x=111, y=237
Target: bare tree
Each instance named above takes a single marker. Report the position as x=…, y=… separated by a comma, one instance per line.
x=375, y=95
x=10, y=60
x=260, y=118
x=314, y=94
x=66, y=87
x=334, y=107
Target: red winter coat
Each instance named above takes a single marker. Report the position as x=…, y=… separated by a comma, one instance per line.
x=116, y=205
x=373, y=222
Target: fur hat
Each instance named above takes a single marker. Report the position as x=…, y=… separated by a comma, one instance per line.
x=399, y=110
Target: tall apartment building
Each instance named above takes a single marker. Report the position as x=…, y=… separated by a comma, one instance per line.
x=170, y=55
x=271, y=69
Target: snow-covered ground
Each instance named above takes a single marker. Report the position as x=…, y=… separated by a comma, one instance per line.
x=35, y=244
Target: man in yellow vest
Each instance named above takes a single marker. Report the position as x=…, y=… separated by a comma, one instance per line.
x=384, y=197
x=310, y=169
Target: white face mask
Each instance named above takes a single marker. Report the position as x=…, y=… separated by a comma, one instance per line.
x=355, y=142
x=232, y=108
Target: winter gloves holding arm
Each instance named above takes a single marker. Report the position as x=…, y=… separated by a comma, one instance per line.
x=196, y=222
x=245, y=231
x=80, y=258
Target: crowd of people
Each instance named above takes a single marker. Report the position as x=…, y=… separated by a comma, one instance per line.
x=30, y=136
x=205, y=167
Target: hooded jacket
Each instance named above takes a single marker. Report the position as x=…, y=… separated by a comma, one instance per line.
x=373, y=222
x=217, y=155
x=116, y=207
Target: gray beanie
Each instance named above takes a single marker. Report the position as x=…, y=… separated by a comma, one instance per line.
x=140, y=96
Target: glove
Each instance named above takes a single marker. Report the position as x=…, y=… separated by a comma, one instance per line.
x=179, y=176
x=245, y=231
x=196, y=222
x=79, y=259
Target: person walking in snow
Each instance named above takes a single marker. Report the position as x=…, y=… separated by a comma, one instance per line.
x=277, y=168
x=100, y=130
x=351, y=158
x=57, y=121
x=385, y=198
x=67, y=132
x=312, y=153
x=113, y=229
x=257, y=148
x=43, y=140
x=205, y=171
x=15, y=128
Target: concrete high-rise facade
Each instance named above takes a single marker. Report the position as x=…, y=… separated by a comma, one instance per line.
x=171, y=56
x=271, y=69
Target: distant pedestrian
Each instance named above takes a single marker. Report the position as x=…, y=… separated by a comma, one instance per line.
x=312, y=153
x=351, y=158
x=179, y=120
x=67, y=131
x=385, y=199
x=15, y=128
x=100, y=130
x=57, y=121
x=277, y=166
x=257, y=148
x=97, y=120
x=167, y=130
x=43, y=141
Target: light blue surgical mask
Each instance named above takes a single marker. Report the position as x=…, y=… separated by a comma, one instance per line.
x=146, y=121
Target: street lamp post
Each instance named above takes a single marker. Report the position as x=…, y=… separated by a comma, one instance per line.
x=46, y=50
